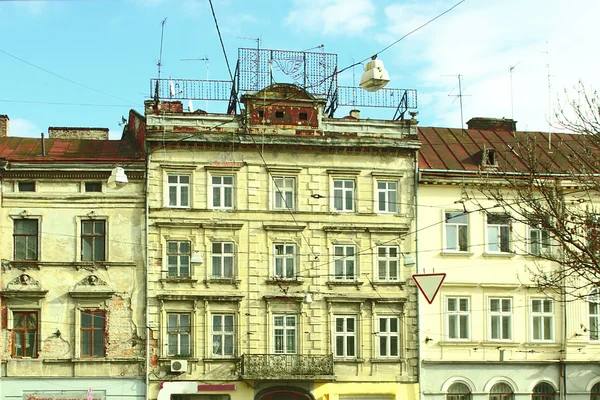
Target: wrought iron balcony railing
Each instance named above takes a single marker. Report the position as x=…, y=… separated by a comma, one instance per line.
x=290, y=366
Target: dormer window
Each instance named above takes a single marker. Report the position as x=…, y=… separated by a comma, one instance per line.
x=279, y=114
x=489, y=158
x=261, y=114
x=303, y=116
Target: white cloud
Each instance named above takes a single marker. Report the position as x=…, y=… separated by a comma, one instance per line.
x=335, y=17
x=23, y=128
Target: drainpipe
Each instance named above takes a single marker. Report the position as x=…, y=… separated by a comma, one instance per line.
x=147, y=377
x=416, y=235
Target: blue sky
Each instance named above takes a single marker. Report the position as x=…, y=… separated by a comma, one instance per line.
x=86, y=63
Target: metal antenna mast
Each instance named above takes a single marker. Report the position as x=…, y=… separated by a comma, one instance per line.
x=162, y=33
x=510, y=70
x=460, y=95
x=207, y=64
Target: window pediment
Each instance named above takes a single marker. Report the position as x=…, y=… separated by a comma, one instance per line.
x=24, y=286
x=91, y=286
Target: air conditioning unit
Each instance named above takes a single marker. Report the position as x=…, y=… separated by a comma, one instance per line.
x=179, y=366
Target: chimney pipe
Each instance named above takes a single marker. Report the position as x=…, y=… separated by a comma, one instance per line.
x=43, y=145
x=4, y=125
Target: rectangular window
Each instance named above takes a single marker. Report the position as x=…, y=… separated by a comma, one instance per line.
x=222, y=192
x=178, y=258
x=542, y=319
x=179, y=335
x=93, y=240
x=387, y=196
x=344, y=261
x=285, y=260
x=388, y=260
x=593, y=234
x=500, y=312
x=222, y=259
x=26, y=186
x=343, y=195
x=345, y=336
x=389, y=337
x=539, y=241
x=284, y=334
x=498, y=233
x=93, y=186
x=283, y=193
x=25, y=334
x=25, y=237
x=93, y=329
x=458, y=315
x=456, y=231
x=222, y=335
x=179, y=190
x=594, y=316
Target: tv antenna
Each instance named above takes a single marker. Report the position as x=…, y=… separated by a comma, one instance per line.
x=512, y=111
x=207, y=65
x=460, y=95
x=257, y=40
x=162, y=33
x=549, y=100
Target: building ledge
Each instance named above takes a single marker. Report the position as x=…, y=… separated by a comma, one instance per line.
x=499, y=255
x=456, y=254
x=177, y=280
x=276, y=280
x=358, y=284
x=107, y=360
x=222, y=281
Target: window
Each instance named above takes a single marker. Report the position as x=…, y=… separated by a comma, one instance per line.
x=458, y=315
x=500, y=311
x=93, y=327
x=595, y=392
x=543, y=391
x=303, y=116
x=279, y=114
x=284, y=334
x=222, y=335
x=25, y=238
x=458, y=391
x=26, y=186
x=261, y=114
x=285, y=260
x=178, y=259
x=283, y=193
x=345, y=336
x=501, y=391
x=498, y=232
x=389, y=337
x=93, y=186
x=93, y=240
x=222, y=260
x=179, y=190
x=387, y=196
x=593, y=234
x=344, y=262
x=222, y=192
x=539, y=240
x=25, y=334
x=343, y=195
x=542, y=319
x=456, y=231
x=179, y=335
x=594, y=313
x=388, y=260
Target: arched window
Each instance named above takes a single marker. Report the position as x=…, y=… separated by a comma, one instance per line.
x=543, y=391
x=458, y=391
x=501, y=391
x=595, y=393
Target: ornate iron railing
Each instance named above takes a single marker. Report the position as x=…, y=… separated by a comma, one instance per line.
x=286, y=365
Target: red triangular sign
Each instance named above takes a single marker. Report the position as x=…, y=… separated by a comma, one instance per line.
x=429, y=284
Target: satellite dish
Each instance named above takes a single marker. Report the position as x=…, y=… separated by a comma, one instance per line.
x=375, y=76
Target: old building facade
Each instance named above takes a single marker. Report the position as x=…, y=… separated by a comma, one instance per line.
x=276, y=244
x=72, y=288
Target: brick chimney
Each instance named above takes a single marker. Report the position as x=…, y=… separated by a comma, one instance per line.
x=492, y=124
x=78, y=133
x=3, y=125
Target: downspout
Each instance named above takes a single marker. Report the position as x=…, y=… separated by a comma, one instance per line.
x=146, y=217
x=563, y=353
x=416, y=235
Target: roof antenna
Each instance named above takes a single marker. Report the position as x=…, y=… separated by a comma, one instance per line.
x=512, y=110
x=460, y=95
x=159, y=63
x=549, y=102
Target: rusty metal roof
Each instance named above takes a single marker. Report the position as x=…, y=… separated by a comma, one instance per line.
x=57, y=150
x=461, y=150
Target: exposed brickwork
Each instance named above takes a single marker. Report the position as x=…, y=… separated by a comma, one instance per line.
x=122, y=339
x=4, y=125
x=78, y=133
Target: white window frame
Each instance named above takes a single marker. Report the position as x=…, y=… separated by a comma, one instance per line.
x=343, y=262
x=224, y=190
x=387, y=335
x=342, y=336
x=179, y=333
x=284, y=192
x=223, y=256
x=179, y=255
x=457, y=315
x=542, y=320
x=499, y=316
x=284, y=260
x=541, y=244
x=386, y=261
x=593, y=310
x=223, y=334
x=494, y=234
x=452, y=224
x=179, y=188
x=341, y=190
x=387, y=196
x=282, y=330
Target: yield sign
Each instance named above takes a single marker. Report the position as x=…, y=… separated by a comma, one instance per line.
x=429, y=284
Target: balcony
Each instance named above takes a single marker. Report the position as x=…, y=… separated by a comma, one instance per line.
x=287, y=366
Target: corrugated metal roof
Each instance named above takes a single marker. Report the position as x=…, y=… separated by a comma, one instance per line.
x=30, y=150
x=460, y=150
